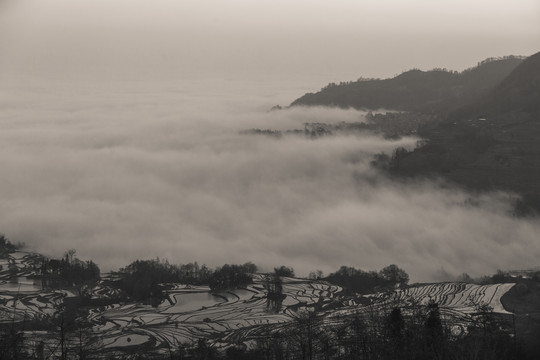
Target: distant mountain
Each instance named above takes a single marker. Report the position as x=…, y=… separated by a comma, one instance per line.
x=489, y=144
x=518, y=92
x=437, y=90
x=484, y=129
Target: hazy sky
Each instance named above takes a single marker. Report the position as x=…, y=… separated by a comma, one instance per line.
x=306, y=39
x=120, y=124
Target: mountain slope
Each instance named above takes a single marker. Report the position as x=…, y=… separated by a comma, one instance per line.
x=491, y=143
x=416, y=90
x=518, y=92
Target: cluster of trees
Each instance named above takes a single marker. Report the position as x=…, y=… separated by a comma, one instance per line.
x=7, y=247
x=69, y=272
x=274, y=287
x=498, y=58
x=364, y=282
x=142, y=278
x=284, y=271
x=145, y=280
x=232, y=276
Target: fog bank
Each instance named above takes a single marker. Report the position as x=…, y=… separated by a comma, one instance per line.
x=129, y=171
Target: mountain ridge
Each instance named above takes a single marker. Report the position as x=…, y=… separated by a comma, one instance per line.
x=437, y=90
x=519, y=91
x=484, y=127
x=490, y=144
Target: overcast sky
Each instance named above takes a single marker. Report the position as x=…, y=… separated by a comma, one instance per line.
x=306, y=39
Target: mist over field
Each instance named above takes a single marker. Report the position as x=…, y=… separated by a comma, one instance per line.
x=139, y=171
x=121, y=121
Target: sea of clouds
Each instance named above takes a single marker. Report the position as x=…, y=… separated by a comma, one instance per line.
x=121, y=137
x=137, y=170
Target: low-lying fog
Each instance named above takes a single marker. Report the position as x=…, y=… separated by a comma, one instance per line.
x=127, y=171
x=156, y=166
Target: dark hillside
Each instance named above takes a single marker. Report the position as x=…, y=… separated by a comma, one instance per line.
x=437, y=90
x=490, y=144
x=519, y=92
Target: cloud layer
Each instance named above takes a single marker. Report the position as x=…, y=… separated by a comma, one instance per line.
x=143, y=170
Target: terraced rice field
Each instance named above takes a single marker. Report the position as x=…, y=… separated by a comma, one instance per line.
x=457, y=296
x=192, y=312
x=21, y=298
x=458, y=302
x=235, y=316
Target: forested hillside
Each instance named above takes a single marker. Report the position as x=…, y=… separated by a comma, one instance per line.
x=437, y=90
x=489, y=144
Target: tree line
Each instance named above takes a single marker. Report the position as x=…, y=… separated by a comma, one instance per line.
x=69, y=272
x=363, y=282
x=147, y=280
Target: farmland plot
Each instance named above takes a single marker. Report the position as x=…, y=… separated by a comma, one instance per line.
x=457, y=296
x=190, y=313
x=22, y=298
x=457, y=302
